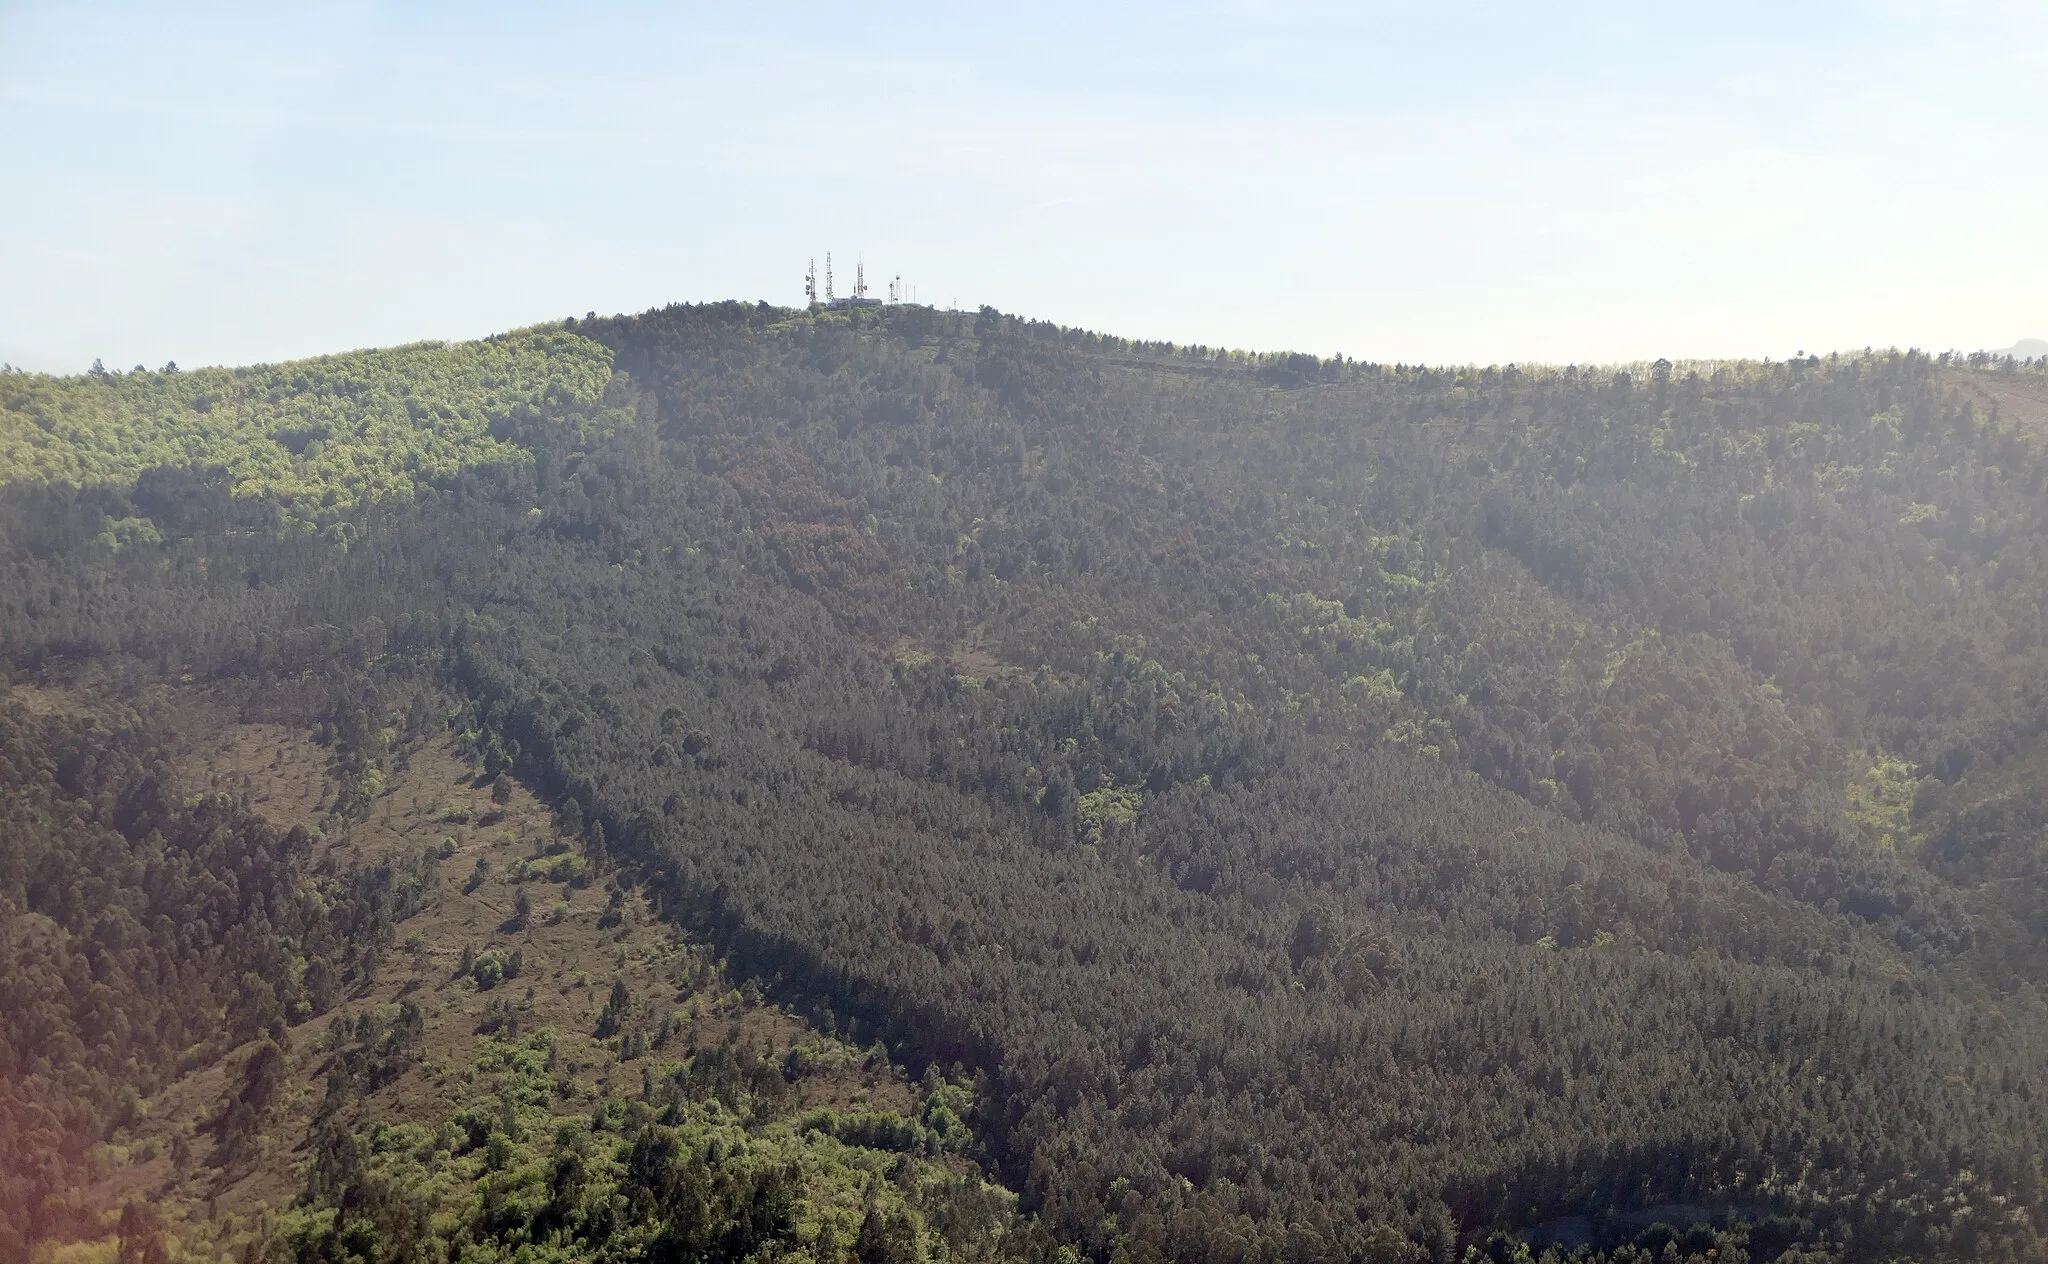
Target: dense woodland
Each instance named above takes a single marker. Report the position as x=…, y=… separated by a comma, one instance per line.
x=1334, y=811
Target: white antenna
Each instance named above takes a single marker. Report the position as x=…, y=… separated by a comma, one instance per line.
x=860, y=278
x=828, y=276
x=811, y=283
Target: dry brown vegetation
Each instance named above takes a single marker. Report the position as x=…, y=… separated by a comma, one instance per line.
x=572, y=952
x=2020, y=399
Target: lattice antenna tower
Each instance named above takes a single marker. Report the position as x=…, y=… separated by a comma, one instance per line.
x=811, y=283
x=828, y=277
x=860, y=278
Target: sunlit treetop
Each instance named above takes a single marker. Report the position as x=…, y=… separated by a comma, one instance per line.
x=340, y=429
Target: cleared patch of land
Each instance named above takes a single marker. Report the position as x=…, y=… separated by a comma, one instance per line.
x=2020, y=398
x=580, y=934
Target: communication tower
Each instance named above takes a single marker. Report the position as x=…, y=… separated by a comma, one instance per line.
x=831, y=300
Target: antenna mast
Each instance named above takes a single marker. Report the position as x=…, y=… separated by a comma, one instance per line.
x=828, y=276
x=811, y=283
x=860, y=278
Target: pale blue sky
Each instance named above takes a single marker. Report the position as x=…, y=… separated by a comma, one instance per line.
x=1441, y=182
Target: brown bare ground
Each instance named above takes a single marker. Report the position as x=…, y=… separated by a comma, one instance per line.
x=570, y=962
x=2020, y=398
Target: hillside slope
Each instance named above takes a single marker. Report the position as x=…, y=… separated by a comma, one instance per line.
x=1339, y=811
x=505, y=1011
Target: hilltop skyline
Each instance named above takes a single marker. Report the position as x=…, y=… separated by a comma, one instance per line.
x=1475, y=184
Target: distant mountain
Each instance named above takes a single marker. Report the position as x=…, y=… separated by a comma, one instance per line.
x=2025, y=349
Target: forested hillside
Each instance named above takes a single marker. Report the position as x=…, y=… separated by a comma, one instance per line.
x=1332, y=811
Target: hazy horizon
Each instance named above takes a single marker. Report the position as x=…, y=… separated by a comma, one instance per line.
x=1392, y=182
x=2024, y=349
